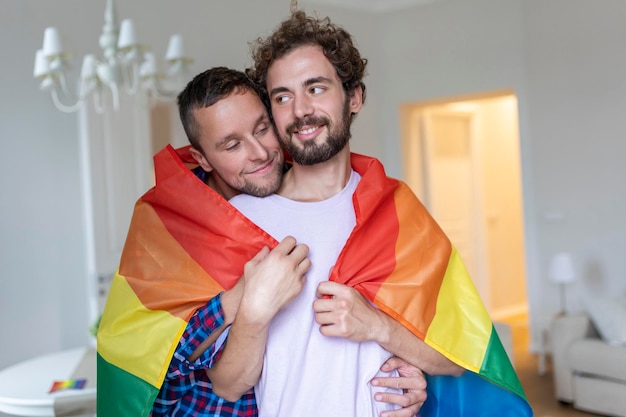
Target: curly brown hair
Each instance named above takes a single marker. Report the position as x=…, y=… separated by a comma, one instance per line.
x=301, y=30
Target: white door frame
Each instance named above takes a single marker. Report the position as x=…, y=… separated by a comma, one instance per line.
x=421, y=116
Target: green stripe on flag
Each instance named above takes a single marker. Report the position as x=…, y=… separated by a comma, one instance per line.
x=114, y=383
x=497, y=366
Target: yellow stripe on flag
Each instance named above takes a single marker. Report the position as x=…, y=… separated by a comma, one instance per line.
x=136, y=339
x=460, y=311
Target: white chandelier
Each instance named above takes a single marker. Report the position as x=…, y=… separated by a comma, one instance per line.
x=127, y=65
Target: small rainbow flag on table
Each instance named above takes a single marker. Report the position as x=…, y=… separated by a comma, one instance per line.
x=68, y=384
x=185, y=244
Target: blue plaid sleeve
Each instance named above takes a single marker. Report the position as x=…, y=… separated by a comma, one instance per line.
x=186, y=390
x=201, y=325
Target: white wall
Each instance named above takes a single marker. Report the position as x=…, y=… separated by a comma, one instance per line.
x=565, y=60
x=576, y=126
x=43, y=306
x=40, y=239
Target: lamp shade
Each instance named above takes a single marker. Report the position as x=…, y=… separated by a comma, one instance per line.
x=175, y=48
x=561, y=269
x=89, y=68
x=127, y=37
x=41, y=65
x=52, y=44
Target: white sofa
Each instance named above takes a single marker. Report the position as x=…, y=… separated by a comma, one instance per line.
x=589, y=372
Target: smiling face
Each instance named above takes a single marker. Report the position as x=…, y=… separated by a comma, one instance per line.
x=311, y=110
x=239, y=146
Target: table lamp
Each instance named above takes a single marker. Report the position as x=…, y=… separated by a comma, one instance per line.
x=562, y=272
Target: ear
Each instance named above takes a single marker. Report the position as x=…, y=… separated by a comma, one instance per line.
x=356, y=100
x=200, y=159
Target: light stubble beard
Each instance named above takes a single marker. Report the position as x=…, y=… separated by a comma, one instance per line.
x=267, y=189
x=255, y=190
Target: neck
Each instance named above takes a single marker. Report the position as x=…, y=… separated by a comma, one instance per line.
x=220, y=186
x=309, y=183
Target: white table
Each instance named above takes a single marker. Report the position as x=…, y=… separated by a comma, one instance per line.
x=25, y=386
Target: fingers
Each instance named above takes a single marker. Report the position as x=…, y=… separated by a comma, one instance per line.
x=409, y=383
x=288, y=244
x=260, y=255
x=392, y=364
x=330, y=289
x=410, y=403
x=304, y=265
x=402, y=366
x=272, y=279
x=289, y=248
x=413, y=397
x=299, y=252
x=405, y=369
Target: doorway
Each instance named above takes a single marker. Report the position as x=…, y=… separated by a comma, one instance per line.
x=462, y=159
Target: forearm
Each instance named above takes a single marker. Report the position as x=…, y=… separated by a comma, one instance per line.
x=239, y=368
x=203, y=325
x=203, y=328
x=398, y=340
x=271, y=281
x=230, y=300
x=342, y=311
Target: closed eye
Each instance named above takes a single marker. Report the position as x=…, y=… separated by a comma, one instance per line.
x=261, y=130
x=232, y=145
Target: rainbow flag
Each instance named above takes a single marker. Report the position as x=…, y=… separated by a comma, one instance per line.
x=179, y=253
x=68, y=384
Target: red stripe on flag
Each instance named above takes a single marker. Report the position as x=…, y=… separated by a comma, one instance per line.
x=196, y=217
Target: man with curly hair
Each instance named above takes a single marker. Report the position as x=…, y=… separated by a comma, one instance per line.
x=234, y=143
x=324, y=347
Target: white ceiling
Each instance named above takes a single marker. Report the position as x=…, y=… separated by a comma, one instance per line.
x=372, y=5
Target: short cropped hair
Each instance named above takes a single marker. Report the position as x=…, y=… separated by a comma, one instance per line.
x=206, y=89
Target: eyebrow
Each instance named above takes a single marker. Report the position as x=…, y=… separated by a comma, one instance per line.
x=317, y=80
x=308, y=82
x=231, y=136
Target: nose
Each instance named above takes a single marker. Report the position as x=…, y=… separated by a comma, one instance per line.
x=302, y=105
x=257, y=150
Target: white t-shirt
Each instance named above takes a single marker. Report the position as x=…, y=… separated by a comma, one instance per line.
x=304, y=372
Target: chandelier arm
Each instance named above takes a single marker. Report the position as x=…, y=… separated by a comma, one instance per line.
x=97, y=101
x=161, y=94
x=115, y=92
x=63, y=107
x=65, y=89
x=123, y=70
x=132, y=81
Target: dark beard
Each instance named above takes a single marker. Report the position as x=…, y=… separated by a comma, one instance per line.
x=311, y=153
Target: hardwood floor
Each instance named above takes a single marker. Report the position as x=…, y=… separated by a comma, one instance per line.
x=539, y=388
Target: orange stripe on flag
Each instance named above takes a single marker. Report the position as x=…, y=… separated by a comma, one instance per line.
x=196, y=217
x=160, y=272
x=421, y=251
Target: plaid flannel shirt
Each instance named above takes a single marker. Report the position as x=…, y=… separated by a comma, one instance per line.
x=187, y=391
